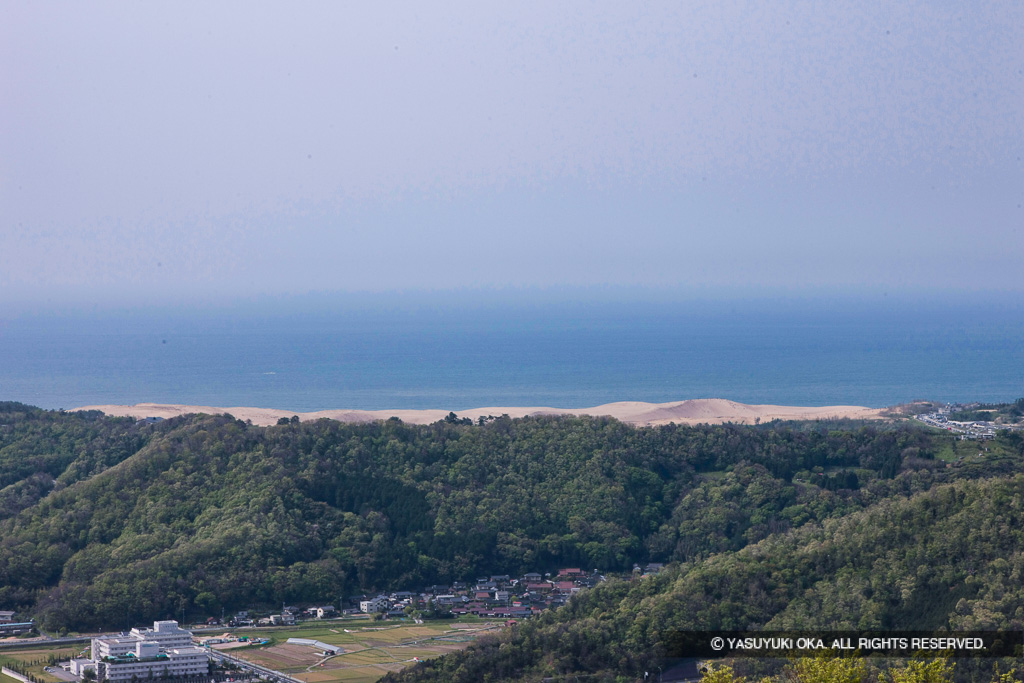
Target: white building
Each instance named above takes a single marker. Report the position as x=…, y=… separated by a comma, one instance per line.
x=78, y=666
x=166, y=634
x=160, y=652
x=283, y=619
x=377, y=604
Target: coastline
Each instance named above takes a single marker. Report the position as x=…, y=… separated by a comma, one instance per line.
x=693, y=411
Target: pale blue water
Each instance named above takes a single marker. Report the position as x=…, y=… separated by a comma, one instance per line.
x=558, y=356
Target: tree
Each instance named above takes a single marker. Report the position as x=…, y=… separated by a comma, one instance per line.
x=207, y=601
x=829, y=669
x=938, y=670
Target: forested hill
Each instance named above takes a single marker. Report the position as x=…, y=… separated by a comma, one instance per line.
x=950, y=557
x=105, y=522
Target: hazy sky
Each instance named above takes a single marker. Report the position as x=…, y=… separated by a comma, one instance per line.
x=209, y=150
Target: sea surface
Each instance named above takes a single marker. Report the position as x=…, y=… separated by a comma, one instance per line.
x=478, y=356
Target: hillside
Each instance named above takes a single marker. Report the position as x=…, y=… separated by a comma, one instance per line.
x=950, y=557
x=108, y=522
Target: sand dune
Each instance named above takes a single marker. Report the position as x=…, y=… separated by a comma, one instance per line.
x=694, y=411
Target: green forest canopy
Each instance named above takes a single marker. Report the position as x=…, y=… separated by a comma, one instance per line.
x=106, y=522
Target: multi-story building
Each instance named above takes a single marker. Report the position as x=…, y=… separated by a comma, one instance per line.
x=164, y=651
x=166, y=633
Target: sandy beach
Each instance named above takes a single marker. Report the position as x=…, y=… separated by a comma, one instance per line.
x=694, y=411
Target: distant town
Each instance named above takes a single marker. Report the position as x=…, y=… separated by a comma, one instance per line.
x=975, y=420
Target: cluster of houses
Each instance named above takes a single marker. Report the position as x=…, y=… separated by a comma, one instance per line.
x=983, y=430
x=499, y=596
x=966, y=430
x=288, y=616
x=496, y=596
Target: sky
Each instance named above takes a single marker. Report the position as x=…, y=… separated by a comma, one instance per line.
x=169, y=152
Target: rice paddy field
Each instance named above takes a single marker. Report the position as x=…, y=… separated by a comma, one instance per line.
x=371, y=649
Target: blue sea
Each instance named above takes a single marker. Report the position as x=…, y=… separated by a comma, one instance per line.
x=563, y=355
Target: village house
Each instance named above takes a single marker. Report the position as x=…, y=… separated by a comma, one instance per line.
x=377, y=604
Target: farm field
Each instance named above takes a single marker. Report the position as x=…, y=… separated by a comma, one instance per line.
x=369, y=651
